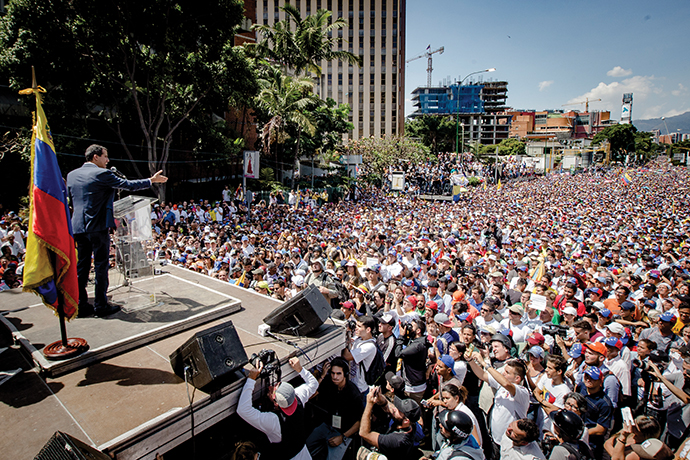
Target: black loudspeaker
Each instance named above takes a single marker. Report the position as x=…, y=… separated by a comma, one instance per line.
x=300, y=315
x=209, y=355
x=62, y=446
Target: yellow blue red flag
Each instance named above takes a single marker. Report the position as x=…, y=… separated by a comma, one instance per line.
x=626, y=178
x=50, y=266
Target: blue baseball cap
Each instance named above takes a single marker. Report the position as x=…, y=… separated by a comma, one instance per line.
x=576, y=350
x=536, y=351
x=627, y=305
x=593, y=372
x=606, y=313
x=668, y=317
x=449, y=362
x=463, y=317
x=614, y=342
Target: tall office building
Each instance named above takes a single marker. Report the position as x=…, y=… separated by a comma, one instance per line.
x=376, y=32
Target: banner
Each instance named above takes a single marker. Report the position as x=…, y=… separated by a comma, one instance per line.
x=251, y=164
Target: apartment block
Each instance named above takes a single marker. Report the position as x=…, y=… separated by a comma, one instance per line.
x=375, y=31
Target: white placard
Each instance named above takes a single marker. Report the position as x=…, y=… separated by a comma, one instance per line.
x=538, y=302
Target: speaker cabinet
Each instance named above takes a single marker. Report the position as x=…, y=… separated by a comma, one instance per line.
x=209, y=355
x=300, y=315
x=62, y=446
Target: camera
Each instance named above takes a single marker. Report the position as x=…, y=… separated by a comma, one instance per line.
x=555, y=329
x=351, y=324
x=408, y=331
x=269, y=359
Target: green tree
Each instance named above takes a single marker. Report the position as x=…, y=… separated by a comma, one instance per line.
x=147, y=64
x=286, y=100
x=620, y=137
x=436, y=132
x=379, y=154
x=331, y=122
x=505, y=147
x=313, y=40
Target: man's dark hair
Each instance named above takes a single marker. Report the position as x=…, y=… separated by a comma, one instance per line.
x=651, y=345
x=530, y=428
x=572, y=286
x=342, y=364
x=518, y=366
x=94, y=150
x=521, y=282
x=559, y=363
x=583, y=324
x=368, y=322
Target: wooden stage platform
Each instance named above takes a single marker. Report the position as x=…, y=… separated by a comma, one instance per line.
x=122, y=396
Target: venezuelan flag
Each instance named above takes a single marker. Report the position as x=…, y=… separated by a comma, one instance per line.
x=50, y=267
x=498, y=187
x=241, y=281
x=626, y=178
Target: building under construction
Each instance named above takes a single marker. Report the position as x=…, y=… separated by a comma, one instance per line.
x=478, y=106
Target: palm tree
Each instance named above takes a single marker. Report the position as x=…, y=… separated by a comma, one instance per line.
x=303, y=50
x=286, y=99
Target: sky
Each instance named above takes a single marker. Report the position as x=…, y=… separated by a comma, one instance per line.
x=556, y=52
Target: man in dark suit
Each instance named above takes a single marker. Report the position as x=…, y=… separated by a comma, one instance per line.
x=92, y=189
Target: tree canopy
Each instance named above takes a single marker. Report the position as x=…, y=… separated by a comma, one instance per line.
x=378, y=154
x=436, y=132
x=151, y=64
x=620, y=137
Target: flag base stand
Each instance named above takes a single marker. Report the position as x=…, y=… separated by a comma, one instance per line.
x=59, y=350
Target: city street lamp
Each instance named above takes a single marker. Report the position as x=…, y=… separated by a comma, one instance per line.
x=457, y=107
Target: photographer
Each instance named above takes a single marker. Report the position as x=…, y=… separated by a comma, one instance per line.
x=412, y=348
x=658, y=382
x=511, y=400
x=399, y=441
x=362, y=350
x=284, y=426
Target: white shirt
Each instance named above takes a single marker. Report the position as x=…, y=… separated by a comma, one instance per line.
x=482, y=323
x=553, y=394
x=519, y=332
x=506, y=408
x=267, y=422
x=509, y=451
x=363, y=351
x=620, y=369
x=460, y=369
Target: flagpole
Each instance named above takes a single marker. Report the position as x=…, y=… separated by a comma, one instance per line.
x=61, y=298
x=64, y=348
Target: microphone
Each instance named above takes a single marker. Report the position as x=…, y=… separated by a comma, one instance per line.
x=117, y=173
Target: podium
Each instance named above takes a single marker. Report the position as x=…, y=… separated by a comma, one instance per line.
x=133, y=239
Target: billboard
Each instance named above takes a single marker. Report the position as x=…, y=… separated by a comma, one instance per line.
x=626, y=110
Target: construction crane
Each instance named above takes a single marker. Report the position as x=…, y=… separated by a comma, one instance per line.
x=585, y=102
x=429, y=68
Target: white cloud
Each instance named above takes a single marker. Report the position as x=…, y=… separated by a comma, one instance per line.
x=674, y=112
x=619, y=71
x=611, y=96
x=545, y=84
x=682, y=90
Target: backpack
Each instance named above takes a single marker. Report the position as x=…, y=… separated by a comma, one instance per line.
x=343, y=294
x=581, y=451
x=376, y=369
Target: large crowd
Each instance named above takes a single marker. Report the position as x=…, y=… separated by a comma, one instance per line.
x=549, y=318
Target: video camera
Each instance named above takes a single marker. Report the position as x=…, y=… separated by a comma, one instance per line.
x=555, y=329
x=270, y=361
